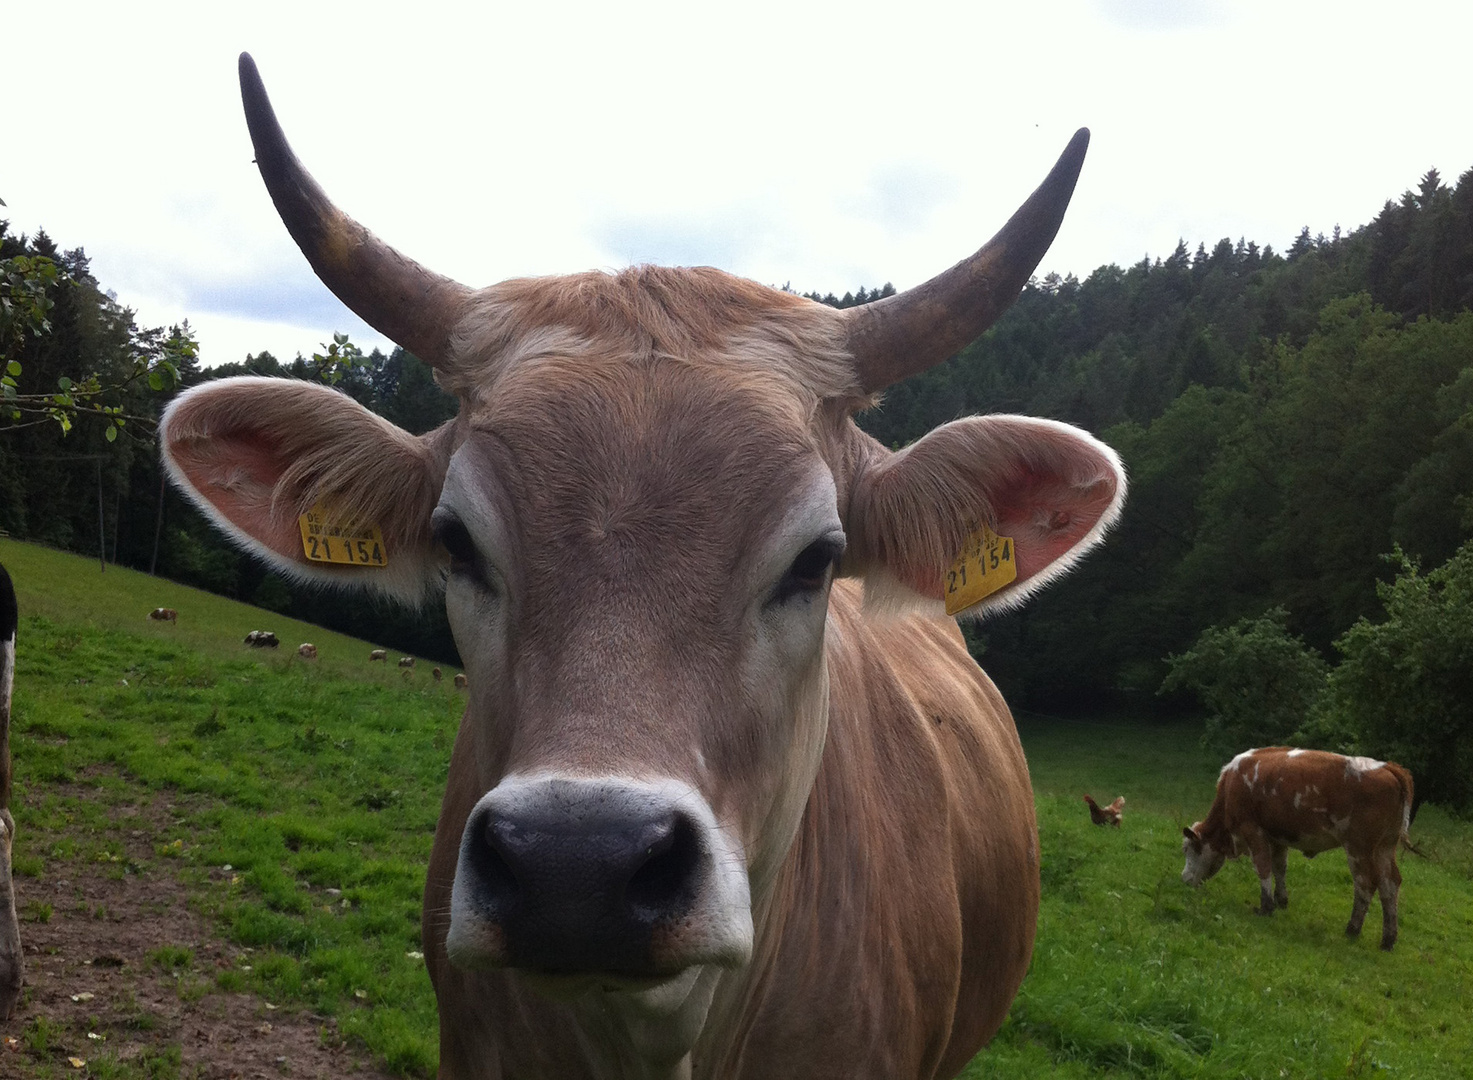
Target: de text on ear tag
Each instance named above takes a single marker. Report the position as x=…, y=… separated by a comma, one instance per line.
x=325, y=541
x=985, y=565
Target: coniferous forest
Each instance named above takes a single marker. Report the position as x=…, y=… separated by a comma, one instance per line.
x=1288, y=420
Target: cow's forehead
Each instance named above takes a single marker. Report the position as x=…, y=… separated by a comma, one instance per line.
x=699, y=316
x=659, y=462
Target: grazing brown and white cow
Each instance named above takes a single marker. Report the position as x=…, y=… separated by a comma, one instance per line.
x=379, y=654
x=1278, y=798
x=164, y=614
x=12, y=963
x=307, y=651
x=711, y=813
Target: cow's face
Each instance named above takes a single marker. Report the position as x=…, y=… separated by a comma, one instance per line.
x=1203, y=859
x=638, y=583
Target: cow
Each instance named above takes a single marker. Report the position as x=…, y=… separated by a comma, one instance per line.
x=262, y=639
x=307, y=651
x=460, y=680
x=436, y=674
x=164, y=614
x=12, y=962
x=729, y=798
x=1106, y=815
x=406, y=662
x=1279, y=797
x=378, y=654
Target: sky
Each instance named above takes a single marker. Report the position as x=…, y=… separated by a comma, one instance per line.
x=821, y=146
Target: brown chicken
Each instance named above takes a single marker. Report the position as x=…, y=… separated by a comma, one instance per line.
x=1106, y=815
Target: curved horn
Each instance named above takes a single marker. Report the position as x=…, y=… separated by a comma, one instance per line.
x=395, y=295
x=901, y=335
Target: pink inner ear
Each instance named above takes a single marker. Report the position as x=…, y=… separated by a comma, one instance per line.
x=1042, y=484
x=1047, y=517
x=237, y=473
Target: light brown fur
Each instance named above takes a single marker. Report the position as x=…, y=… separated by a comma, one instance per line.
x=639, y=438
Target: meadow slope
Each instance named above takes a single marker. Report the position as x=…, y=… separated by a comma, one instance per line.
x=290, y=807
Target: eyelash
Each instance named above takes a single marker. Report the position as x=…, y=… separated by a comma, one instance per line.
x=453, y=536
x=810, y=569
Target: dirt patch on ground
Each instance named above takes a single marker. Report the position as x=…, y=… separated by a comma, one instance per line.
x=107, y=982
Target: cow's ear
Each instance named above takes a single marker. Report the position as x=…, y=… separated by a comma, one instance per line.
x=1025, y=497
x=256, y=455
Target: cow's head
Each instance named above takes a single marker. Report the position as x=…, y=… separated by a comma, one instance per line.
x=1204, y=858
x=638, y=514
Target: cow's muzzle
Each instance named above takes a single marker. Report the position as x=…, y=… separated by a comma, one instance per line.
x=574, y=876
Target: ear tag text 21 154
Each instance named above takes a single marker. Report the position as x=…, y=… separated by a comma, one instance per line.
x=324, y=540
x=985, y=565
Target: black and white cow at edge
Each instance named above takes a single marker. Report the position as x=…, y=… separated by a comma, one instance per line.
x=12, y=968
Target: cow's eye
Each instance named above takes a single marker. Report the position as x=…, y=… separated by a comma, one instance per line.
x=810, y=569
x=450, y=532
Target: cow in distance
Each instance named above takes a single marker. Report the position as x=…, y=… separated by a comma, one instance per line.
x=1279, y=797
x=1106, y=815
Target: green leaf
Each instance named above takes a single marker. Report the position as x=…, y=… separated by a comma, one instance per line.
x=64, y=383
x=111, y=433
x=13, y=368
x=155, y=381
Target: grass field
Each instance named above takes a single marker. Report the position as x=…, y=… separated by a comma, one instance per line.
x=1136, y=975
x=318, y=786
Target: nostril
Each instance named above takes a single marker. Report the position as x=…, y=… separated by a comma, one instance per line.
x=496, y=882
x=664, y=883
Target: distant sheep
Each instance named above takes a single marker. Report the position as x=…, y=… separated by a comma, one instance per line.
x=307, y=651
x=262, y=639
x=406, y=661
x=460, y=680
x=378, y=654
x=163, y=614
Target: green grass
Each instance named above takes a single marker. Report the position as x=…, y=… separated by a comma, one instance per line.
x=300, y=777
x=307, y=778
x=1136, y=975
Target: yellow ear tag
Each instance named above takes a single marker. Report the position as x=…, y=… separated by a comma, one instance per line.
x=985, y=565
x=324, y=541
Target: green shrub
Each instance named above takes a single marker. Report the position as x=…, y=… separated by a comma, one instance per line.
x=1404, y=688
x=1258, y=682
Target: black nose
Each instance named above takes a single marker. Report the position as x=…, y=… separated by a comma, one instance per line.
x=582, y=889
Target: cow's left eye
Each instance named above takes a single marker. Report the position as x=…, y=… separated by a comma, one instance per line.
x=810, y=569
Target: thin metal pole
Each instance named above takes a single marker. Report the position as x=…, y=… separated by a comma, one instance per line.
x=101, y=531
x=158, y=528
x=117, y=522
